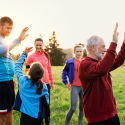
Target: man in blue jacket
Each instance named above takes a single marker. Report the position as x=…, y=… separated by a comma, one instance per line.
x=7, y=94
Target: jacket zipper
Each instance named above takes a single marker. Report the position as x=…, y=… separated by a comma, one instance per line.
x=112, y=93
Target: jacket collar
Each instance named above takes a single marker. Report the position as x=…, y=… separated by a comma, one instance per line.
x=38, y=52
x=89, y=58
x=71, y=60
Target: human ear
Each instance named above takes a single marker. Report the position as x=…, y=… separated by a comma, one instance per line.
x=93, y=48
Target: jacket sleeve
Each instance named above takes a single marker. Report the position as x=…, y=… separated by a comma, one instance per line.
x=18, y=68
x=65, y=73
x=93, y=69
x=29, y=61
x=120, y=58
x=50, y=73
x=5, y=47
x=45, y=98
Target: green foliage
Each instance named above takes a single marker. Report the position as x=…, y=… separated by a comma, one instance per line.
x=84, y=53
x=60, y=98
x=57, y=56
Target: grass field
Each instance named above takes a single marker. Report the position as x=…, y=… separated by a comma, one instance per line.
x=60, y=103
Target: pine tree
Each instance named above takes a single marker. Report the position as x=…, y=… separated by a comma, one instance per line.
x=57, y=57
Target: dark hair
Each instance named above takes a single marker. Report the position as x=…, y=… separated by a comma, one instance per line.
x=36, y=73
x=6, y=19
x=39, y=39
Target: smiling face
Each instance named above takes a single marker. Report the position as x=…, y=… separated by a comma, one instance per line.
x=100, y=50
x=38, y=46
x=5, y=29
x=78, y=52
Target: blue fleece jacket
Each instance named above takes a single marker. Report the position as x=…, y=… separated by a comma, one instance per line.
x=6, y=61
x=27, y=101
x=68, y=70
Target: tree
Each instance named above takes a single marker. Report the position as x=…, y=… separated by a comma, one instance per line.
x=57, y=57
x=84, y=53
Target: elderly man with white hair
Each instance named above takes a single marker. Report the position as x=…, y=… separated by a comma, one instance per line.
x=94, y=72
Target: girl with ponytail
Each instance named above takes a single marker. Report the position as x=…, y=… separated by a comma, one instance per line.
x=41, y=56
x=32, y=95
x=71, y=72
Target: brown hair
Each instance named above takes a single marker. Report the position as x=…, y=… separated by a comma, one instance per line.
x=39, y=39
x=76, y=47
x=6, y=19
x=36, y=73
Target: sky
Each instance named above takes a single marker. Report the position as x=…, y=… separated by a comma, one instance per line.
x=73, y=21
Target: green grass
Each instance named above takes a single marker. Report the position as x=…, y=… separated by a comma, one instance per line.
x=60, y=103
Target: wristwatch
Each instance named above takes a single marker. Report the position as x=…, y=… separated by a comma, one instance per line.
x=25, y=53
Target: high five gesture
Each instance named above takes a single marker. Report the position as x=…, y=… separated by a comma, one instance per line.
x=22, y=35
x=115, y=34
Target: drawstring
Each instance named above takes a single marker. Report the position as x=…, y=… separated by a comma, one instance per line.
x=78, y=65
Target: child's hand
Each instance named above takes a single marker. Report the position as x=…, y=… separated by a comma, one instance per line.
x=68, y=86
x=28, y=49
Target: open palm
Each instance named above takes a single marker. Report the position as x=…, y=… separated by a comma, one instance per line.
x=28, y=49
x=115, y=34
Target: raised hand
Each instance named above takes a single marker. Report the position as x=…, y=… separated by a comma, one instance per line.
x=28, y=49
x=22, y=34
x=115, y=34
x=124, y=37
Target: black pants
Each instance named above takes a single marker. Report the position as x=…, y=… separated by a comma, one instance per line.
x=112, y=121
x=27, y=120
x=47, y=108
x=7, y=95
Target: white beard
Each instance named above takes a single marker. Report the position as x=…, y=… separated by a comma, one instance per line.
x=99, y=56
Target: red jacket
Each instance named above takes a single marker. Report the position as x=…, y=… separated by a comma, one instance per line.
x=99, y=102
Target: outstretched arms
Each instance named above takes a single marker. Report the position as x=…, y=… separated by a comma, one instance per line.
x=22, y=35
x=5, y=47
x=19, y=63
x=120, y=58
x=115, y=34
x=93, y=69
